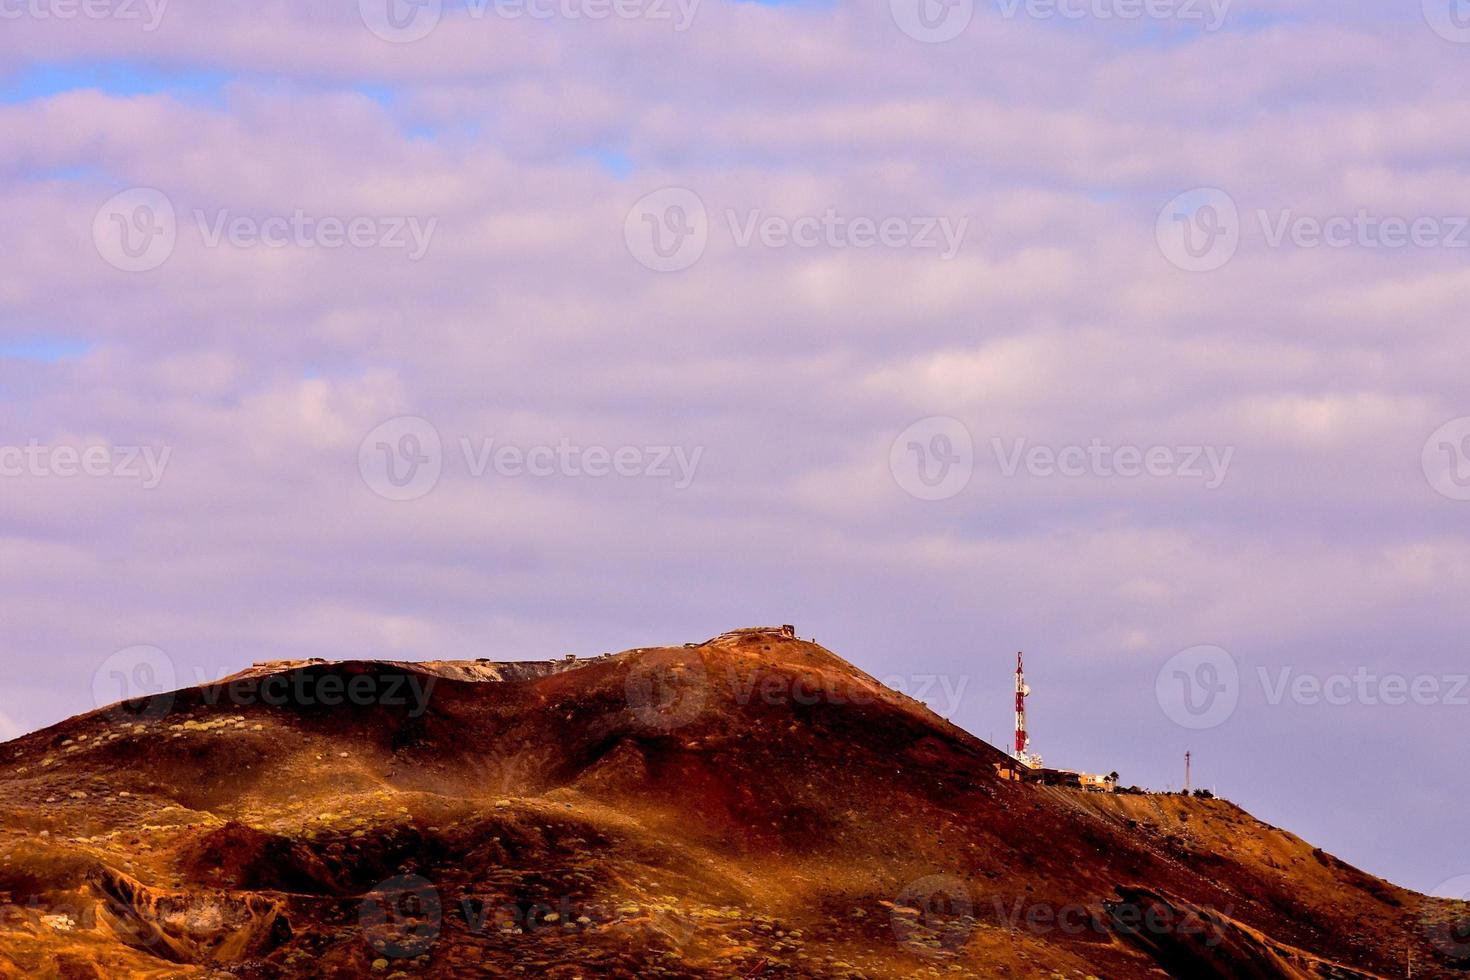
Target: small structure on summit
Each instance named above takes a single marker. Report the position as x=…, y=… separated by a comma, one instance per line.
x=1025, y=766
x=1023, y=753
x=786, y=632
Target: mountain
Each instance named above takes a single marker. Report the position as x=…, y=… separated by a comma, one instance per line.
x=752, y=806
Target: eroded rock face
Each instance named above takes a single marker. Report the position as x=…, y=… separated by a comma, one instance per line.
x=188, y=926
x=751, y=805
x=1189, y=941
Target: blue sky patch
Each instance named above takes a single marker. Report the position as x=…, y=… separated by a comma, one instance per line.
x=45, y=350
x=45, y=79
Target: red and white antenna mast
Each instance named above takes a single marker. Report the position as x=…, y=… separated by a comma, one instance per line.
x=1023, y=741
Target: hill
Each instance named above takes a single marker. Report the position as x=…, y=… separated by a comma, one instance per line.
x=750, y=806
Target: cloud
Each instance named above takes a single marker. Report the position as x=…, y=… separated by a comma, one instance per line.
x=528, y=320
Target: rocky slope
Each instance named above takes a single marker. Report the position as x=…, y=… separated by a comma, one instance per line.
x=751, y=806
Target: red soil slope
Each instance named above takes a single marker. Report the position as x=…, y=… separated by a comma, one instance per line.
x=752, y=806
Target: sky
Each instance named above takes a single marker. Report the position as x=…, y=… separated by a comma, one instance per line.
x=1127, y=334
